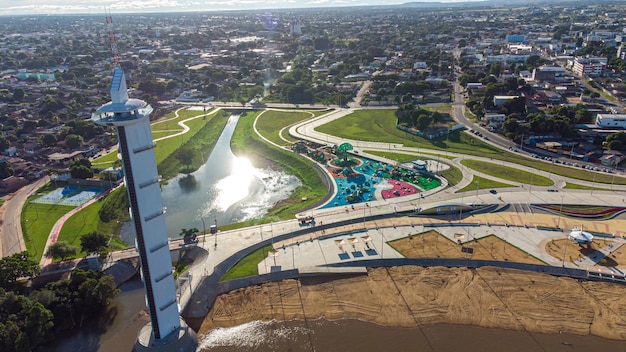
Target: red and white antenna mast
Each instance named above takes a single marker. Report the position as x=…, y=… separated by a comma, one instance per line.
x=114, y=52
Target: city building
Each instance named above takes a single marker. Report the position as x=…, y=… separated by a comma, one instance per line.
x=549, y=74
x=611, y=120
x=131, y=117
x=590, y=66
x=516, y=38
x=495, y=120
x=295, y=28
x=498, y=100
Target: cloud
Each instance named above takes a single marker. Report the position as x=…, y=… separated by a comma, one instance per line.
x=52, y=7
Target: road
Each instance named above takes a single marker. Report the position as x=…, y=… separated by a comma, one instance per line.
x=11, y=239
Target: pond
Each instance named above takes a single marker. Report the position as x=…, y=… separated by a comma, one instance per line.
x=225, y=190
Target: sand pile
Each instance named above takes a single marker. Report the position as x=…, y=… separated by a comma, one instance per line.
x=410, y=296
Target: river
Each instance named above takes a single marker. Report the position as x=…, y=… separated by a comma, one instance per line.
x=354, y=335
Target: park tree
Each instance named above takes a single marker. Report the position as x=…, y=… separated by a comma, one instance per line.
x=61, y=250
x=14, y=267
x=616, y=141
x=185, y=156
x=423, y=121
x=114, y=206
x=189, y=234
x=49, y=140
x=18, y=94
x=4, y=144
x=81, y=162
x=85, y=294
x=6, y=169
x=94, y=242
x=73, y=140
x=24, y=323
x=81, y=172
x=510, y=125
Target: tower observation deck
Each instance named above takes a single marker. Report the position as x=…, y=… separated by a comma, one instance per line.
x=166, y=330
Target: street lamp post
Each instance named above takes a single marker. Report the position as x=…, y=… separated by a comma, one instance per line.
x=364, y=208
x=477, y=186
x=215, y=232
x=593, y=184
x=560, y=212
x=203, y=232
x=612, y=180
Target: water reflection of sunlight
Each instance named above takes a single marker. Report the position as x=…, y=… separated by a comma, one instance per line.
x=235, y=186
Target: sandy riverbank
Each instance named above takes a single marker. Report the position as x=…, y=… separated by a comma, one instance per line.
x=408, y=296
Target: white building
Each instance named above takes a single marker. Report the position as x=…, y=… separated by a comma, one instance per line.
x=295, y=28
x=420, y=65
x=498, y=100
x=505, y=58
x=495, y=120
x=590, y=66
x=611, y=120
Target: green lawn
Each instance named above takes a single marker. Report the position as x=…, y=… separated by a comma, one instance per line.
x=453, y=175
x=248, y=265
x=37, y=222
x=380, y=126
x=570, y=185
x=483, y=183
x=507, y=173
x=270, y=123
x=87, y=220
x=106, y=160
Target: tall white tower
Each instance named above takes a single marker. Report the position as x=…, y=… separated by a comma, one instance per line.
x=166, y=330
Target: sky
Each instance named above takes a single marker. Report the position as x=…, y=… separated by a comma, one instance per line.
x=58, y=7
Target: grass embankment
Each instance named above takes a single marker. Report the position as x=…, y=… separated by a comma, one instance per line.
x=507, y=173
x=248, y=144
x=271, y=123
x=380, y=126
x=202, y=138
x=248, y=265
x=483, y=183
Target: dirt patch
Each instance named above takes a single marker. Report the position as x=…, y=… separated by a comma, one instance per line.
x=411, y=295
x=432, y=244
x=573, y=251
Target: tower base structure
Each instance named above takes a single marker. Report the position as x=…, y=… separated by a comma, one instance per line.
x=184, y=339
